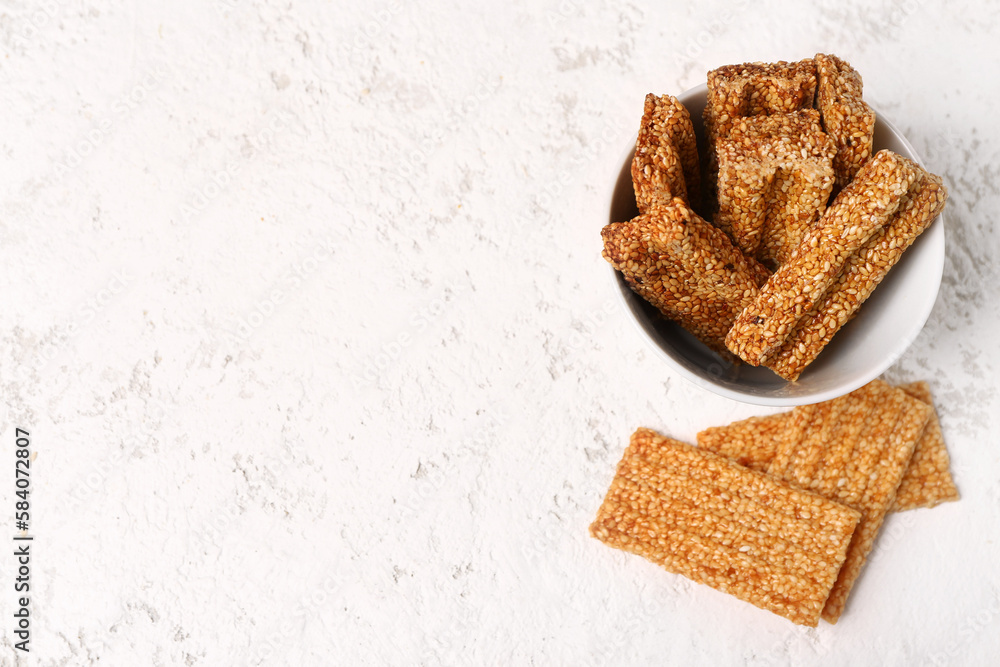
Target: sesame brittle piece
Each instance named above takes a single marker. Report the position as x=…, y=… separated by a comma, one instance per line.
x=848, y=120
x=775, y=177
x=666, y=157
x=861, y=275
x=737, y=530
x=750, y=442
x=853, y=450
x=928, y=480
x=687, y=268
x=858, y=211
x=754, y=442
x=752, y=89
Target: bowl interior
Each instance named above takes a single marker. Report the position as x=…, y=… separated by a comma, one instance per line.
x=861, y=351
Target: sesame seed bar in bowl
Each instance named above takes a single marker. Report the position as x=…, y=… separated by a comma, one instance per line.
x=859, y=211
x=775, y=177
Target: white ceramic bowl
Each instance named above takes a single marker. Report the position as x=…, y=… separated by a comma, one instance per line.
x=884, y=327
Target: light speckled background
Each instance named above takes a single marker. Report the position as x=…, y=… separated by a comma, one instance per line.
x=305, y=311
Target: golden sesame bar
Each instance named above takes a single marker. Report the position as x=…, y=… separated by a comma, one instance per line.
x=751, y=89
x=775, y=177
x=861, y=275
x=687, y=268
x=848, y=120
x=750, y=442
x=928, y=480
x=737, y=530
x=666, y=156
x=853, y=450
x=858, y=211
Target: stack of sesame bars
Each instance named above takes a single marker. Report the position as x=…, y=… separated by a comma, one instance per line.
x=768, y=246
x=763, y=250
x=781, y=511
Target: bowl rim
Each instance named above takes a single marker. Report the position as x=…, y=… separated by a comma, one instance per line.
x=918, y=321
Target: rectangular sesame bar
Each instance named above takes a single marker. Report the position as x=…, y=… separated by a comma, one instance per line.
x=848, y=119
x=861, y=275
x=853, y=450
x=737, y=530
x=666, y=156
x=775, y=177
x=928, y=480
x=752, y=89
x=750, y=442
x=687, y=268
x=858, y=211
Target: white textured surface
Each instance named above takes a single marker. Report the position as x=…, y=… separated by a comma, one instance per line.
x=322, y=363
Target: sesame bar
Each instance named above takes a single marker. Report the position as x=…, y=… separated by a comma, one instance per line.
x=848, y=120
x=687, y=268
x=853, y=450
x=666, y=156
x=737, y=530
x=928, y=480
x=750, y=442
x=752, y=89
x=861, y=275
x=775, y=177
x=859, y=210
